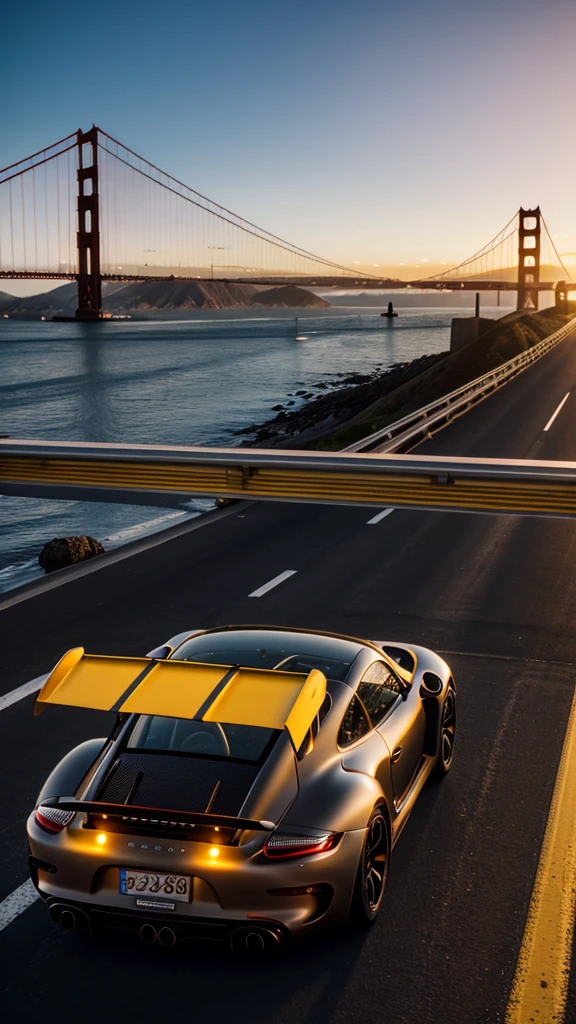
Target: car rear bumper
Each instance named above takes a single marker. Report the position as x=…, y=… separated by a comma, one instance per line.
x=235, y=891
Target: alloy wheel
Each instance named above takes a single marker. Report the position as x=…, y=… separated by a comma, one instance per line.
x=448, y=729
x=375, y=861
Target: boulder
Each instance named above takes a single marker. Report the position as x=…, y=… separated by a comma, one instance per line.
x=63, y=551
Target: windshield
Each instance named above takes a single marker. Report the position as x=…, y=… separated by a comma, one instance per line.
x=268, y=649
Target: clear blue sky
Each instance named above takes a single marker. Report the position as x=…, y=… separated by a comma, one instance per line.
x=377, y=131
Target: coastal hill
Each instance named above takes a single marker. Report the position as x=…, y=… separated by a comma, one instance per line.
x=161, y=296
x=290, y=296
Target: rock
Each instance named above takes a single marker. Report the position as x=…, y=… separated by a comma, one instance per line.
x=63, y=551
x=300, y=392
x=277, y=408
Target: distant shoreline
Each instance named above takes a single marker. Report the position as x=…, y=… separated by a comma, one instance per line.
x=339, y=309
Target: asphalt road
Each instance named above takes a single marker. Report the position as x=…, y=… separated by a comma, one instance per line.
x=495, y=594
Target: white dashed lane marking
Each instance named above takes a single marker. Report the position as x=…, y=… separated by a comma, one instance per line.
x=18, y=901
x=554, y=415
x=6, y=699
x=273, y=583
x=381, y=515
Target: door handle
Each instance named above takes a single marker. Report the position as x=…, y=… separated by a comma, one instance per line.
x=396, y=755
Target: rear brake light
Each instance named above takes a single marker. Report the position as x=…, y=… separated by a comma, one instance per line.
x=284, y=845
x=52, y=819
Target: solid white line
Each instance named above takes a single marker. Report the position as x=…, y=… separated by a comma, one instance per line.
x=552, y=418
x=6, y=699
x=18, y=901
x=273, y=583
x=381, y=515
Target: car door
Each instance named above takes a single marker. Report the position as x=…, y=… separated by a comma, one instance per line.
x=397, y=713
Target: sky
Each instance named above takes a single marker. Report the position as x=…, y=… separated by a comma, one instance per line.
x=386, y=133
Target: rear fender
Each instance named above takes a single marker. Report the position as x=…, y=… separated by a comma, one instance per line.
x=336, y=800
x=66, y=777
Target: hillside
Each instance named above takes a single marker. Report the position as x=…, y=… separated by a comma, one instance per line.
x=145, y=296
x=290, y=297
x=161, y=296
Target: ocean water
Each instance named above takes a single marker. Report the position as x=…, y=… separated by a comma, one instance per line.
x=189, y=382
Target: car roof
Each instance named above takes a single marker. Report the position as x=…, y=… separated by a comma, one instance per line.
x=302, y=641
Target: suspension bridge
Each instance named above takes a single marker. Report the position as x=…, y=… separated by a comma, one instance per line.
x=89, y=209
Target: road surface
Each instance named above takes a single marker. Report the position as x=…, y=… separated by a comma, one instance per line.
x=495, y=594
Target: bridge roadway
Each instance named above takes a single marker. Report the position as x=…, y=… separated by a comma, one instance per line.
x=497, y=595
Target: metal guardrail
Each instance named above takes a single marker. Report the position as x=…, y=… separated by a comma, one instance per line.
x=145, y=473
x=406, y=432
x=149, y=474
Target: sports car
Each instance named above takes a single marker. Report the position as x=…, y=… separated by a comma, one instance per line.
x=252, y=788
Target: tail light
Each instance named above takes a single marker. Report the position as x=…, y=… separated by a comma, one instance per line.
x=285, y=845
x=52, y=819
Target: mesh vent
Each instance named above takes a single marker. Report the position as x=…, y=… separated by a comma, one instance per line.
x=178, y=783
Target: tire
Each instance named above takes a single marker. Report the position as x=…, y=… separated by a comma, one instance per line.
x=445, y=753
x=372, y=871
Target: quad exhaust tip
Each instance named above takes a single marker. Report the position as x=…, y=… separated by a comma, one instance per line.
x=148, y=934
x=167, y=937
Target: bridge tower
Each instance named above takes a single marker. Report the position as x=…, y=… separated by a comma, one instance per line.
x=529, y=231
x=89, y=281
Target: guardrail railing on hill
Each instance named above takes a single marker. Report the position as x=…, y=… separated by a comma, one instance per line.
x=145, y=473
x=404, y=433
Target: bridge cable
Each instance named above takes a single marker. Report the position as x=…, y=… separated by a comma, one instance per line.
x=260, y=232
x=558, y=257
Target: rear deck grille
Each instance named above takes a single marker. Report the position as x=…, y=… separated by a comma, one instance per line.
x=179, y=782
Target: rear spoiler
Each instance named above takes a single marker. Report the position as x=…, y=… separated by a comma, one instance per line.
x=228, y=694
x=157, y=815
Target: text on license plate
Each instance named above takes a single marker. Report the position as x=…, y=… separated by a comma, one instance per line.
x=175, y=887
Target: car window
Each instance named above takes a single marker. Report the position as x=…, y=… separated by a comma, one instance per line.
x=206, y=739
x=269, y=649
x=354, y=724
x=378, y=691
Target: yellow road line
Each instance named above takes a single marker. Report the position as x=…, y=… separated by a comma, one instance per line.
x=540, y=985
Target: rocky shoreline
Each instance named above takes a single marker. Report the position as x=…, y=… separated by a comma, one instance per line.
x=358, y=405
x=329, y=404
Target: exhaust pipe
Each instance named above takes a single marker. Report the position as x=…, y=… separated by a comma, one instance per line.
x=255, y=940
x=166, y=937
x=148, y=934
x=68, y=917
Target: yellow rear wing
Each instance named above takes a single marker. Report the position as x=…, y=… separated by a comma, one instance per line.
x=185, y=689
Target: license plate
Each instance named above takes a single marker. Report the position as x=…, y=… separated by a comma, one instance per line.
x=152, y=883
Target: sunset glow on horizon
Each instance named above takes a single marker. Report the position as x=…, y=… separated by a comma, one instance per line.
x=369, y=139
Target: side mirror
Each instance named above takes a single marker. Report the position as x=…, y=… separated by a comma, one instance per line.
x=431, y=685
x=160, y=652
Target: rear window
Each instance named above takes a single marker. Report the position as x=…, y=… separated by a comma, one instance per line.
x=293, y=652
x=206, y=739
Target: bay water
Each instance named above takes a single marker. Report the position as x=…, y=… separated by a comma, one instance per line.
x=191, y=381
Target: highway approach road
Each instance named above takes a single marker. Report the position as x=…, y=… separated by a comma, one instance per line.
x=495, y=594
